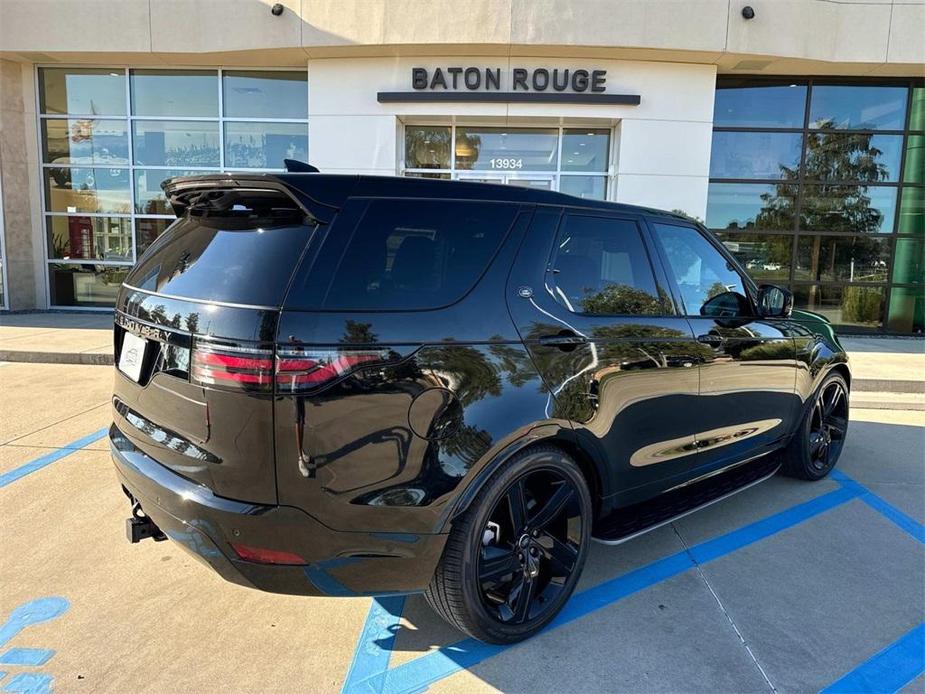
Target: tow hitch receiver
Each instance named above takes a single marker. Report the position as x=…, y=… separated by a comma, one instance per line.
x=139, y=527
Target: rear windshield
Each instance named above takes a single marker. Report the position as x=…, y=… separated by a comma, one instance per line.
x=417, y=254
x=207, y=260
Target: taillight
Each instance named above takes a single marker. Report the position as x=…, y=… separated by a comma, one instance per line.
x=232, y=366
x=303, y=368
x=262, y=555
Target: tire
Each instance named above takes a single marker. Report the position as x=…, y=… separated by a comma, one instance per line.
x=545, y=560
x=817, y=443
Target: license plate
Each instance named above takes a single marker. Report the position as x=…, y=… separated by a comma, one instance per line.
x=132, y=356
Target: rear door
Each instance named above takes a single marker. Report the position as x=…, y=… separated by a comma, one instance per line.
x=195, y=327
x=748, y=375
x=616, y=358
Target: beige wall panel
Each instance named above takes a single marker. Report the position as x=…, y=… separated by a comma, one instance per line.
x=203, y=26
x=683, y=24
x=852, y=32
x=88, y=25
x=346, y=22
x=907, y=35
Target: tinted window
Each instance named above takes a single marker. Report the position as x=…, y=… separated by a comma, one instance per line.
x=772, y=106
x=601, y=267
x=407, y=255
x=216, y=261
x=709, y=284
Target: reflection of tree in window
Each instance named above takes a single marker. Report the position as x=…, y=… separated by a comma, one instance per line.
x=427, y=148
x=623, y=300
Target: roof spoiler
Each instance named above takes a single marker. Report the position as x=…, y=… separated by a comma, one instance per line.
x=296, y=166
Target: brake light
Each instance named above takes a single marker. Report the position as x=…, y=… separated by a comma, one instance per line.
x=232, y=366
x=262, y=555
x=299, y=368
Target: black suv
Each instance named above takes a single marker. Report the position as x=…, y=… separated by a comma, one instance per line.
x=350, y=385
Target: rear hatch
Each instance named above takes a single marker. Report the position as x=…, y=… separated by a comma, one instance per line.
x=195, y=326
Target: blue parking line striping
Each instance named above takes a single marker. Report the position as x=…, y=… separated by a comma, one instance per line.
x=879, y=504
x=29, y=683
x=32, y=612
x=376, y=641
x=887, y=671
x=421, y=672
x=26, y=656
x=37, y=464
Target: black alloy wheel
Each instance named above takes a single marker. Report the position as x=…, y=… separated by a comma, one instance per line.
x=828, y=426
x=817, y=444
x=514, y=557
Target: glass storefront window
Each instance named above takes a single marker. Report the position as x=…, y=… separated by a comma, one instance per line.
x=751, y=206
x=149, y=197
x=909, y=261
x=585, y=150
x=917, y=110
x=69, y=141
x=109, y=137
x=265, y=94
x=507, y=149
x=87, y=190
x=848, y=208
x=82, y=91
x=907, y=310
x=590, y=187
x=914, y=170
x=146, y=231
x=769, y=105
x=912, y=211
x=765, y=256
x=858, y=107
x=175, y=93
x=852, y=157
x=78, y=237
x=264, y=145
x=755, y=155
x=526, y=157
x=85, y=285
x=855, y=306
x=842, y=258
x=427, y=147
x=175, y=143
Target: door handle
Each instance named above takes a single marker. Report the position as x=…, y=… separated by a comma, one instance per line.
x=565, y=340
x=711, y=339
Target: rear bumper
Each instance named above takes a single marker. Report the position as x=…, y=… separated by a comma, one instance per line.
x=336, y=563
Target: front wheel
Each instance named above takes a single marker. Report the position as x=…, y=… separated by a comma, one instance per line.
x=513, y=558
x=817, y=444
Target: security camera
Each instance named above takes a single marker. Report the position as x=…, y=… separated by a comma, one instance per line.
x=277, y=10
x=748, y=12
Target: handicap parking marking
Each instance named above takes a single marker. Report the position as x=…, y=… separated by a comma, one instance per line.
x=370, y=673
x=46, y=460
x=23, y=616
x=887, y=671
x=417, y=674
x=882, y=506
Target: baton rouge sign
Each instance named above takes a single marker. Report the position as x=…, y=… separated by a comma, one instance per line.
x=562, y=85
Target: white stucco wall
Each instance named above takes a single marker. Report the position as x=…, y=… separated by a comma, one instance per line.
x=662, y=152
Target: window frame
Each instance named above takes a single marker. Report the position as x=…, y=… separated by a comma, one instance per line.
x=129, y=118
x=658, y=278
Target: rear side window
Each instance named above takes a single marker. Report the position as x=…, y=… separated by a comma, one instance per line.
x=222, y=260
x=417, y=254
x=601, y=267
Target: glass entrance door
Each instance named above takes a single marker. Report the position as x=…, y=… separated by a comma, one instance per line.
x=538, y=181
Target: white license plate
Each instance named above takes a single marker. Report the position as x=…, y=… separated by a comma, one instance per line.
x=132, y=355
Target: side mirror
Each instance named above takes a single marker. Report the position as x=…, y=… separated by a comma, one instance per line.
x=774, y=301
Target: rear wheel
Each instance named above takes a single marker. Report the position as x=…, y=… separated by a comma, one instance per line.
x=817, y=444
x=514, y=557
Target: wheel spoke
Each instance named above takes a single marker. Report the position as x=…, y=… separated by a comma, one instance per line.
x=518, y=502
x=520, y=604
x=837, y=427
x=496, y=564
x=816, y=441
x=551, y=510
x=562, y=557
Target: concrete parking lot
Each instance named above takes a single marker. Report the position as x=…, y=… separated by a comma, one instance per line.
x=788, y=586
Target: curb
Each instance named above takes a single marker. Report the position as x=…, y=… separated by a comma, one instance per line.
x=88, y=358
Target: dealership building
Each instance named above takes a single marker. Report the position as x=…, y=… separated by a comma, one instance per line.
x=795, y=129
